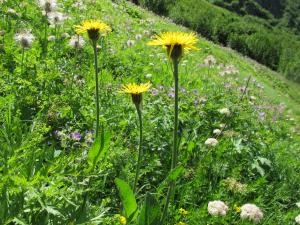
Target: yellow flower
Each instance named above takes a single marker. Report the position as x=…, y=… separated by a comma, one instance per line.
x=136, y=91
x=175, y=42
x=183, y=212
x=237, y=209
x=122, y=220
x=180, y=223
x=93, y=27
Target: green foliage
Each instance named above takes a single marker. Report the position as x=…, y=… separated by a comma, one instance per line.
x=127, y=197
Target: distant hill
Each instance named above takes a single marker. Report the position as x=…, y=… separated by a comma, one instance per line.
x=268, y=33
x=283, y=13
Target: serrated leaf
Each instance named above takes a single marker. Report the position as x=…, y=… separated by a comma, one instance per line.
x=127, y=197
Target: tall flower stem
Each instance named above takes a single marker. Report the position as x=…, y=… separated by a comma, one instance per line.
x=22, y=62
x=175, y=140
x=138, y=165
x=94, y=42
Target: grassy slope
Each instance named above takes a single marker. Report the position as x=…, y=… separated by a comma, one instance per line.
x=277, y=88
x=136, y=62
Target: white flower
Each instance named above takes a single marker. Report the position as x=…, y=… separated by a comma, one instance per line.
x=251, y=212
x=48, y=5
x=225, y=111
x=217, y=208
x=56, y=18
x=79, y=5
x=298, y=204
x=130, y=43
x=51, y=38
x=210, y=60
x=24, y=38
x=217, y=131
x=297, y=219
x=76, y=42
x=222, y=125
x=211, y=142
x=148, y=75
x=138, y=37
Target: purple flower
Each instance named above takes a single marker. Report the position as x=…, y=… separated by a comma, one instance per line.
x=160, y=87
x=262, y=115
x=227, y=85
x=75, y=136
x=153, y=91
x=196, y=102
x=171, y=94
x=182, y=90
x=195, y=91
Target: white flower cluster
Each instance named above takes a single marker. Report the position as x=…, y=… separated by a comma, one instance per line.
x=56, y=18
x=297, y=219
x=234, y=185
x=211, y=142
x=77, y=42
x=217, y=131
x=210, y=60
x=217, y=208
x=225, y=111
x=48, y=5
x=298, y=204
x=251, y=212
x=24, y=38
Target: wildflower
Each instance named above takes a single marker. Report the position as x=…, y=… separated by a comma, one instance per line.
x=251, y=212
x=180, y=223
x=217, y=208
x=234, y=185
x=262, y=115
x=138, y=37
x=24, y=38
x=148, y=75
x=297, y=219
x=76, y=41
x=122, y=220
x=136, y=91
x=211, y=142
x=130, y=43
x=176, y=43
x=56, y=18
x=146, y=32
x=225, y=111
x=75, y=136
x=48, y=5
x=94, y=28
x=79, y=5
x=171, y=94
x=217, y=131
x=237, y=208
x=183, y=212
x=298, y=204
x=210, y=60
x=51, y=38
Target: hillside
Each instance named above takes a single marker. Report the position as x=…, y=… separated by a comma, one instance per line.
x=238, y=124
x=277, y=47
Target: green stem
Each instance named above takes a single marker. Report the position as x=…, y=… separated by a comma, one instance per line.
x=97, y=87
x=139, y=112
x=175, y=146
x=22, y=63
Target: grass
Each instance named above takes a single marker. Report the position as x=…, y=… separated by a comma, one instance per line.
x=52, y=175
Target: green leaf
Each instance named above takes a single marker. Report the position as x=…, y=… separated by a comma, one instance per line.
x=175, y=173
x=150, y=213
x=127, y=197
x=98, y=149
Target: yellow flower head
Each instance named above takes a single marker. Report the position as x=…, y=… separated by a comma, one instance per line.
x=122, y=220
x=93, y=27
x=136, y=91
x=180, y=223
x=183, y=212
x=237, y=209
x=175, y=42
